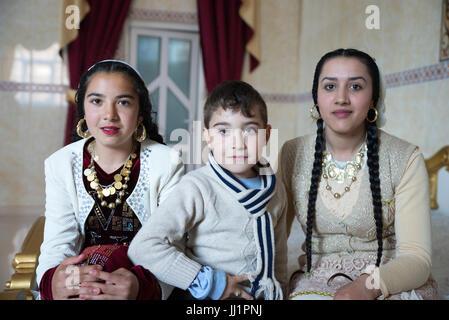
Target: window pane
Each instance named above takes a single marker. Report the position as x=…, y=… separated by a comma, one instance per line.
x=154, y=99
x=177, y=116
x=179, y=63
x=148, y=57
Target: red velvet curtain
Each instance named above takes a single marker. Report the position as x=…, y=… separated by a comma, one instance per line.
x=224, y=36
x=97, y=40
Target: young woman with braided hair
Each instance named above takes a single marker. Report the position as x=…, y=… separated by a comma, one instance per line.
x=360, y=194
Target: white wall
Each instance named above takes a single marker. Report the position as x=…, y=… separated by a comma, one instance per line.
x=443, y=193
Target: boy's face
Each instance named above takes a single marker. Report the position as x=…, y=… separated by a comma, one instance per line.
x=237, y=141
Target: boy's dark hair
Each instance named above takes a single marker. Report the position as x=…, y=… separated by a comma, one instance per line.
x=236, y=95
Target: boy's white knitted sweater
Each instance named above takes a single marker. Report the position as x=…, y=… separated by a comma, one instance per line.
x=202, y=223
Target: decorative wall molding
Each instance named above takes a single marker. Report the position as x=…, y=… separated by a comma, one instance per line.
x=429, y=73
x=433, y=72
x=286, y=98
x=10, y=86
x=163, y=16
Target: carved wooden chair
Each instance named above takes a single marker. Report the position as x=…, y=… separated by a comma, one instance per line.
x=25, y=262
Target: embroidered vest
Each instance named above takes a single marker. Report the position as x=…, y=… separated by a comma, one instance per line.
x=354, y=233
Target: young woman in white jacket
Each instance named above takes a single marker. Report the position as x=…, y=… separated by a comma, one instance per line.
x=101, y=189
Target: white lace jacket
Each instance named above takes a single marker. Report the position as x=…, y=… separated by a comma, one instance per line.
x=68, y=204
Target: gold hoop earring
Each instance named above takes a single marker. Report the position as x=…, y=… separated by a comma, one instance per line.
x=79, y=130
x=375, y=117
x=312, y=113
x=143, y=136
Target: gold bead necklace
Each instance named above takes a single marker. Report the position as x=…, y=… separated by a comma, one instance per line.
x=119, y=185
x=333, y=171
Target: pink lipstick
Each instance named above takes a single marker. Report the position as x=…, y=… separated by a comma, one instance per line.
x=342, y=113
x=110, y=131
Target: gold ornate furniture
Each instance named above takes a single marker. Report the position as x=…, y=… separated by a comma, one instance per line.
x=434, y=164
x=25, y=262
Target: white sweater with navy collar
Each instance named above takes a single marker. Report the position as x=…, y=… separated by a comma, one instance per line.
x=202, y=223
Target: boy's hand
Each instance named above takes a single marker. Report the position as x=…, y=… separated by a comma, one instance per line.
x=233, y=289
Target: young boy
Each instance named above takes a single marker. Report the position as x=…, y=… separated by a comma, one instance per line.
x=222, y=232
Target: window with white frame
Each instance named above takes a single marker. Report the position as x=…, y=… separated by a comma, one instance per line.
x=168, y=57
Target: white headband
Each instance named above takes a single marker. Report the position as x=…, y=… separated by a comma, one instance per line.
x=119, y=61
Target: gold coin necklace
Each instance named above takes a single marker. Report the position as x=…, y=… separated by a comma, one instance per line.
x=332, y=171
x=119, y=185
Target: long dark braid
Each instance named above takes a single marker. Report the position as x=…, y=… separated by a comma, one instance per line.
x=372, y=144
x=373, y=165
x=313, y=191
